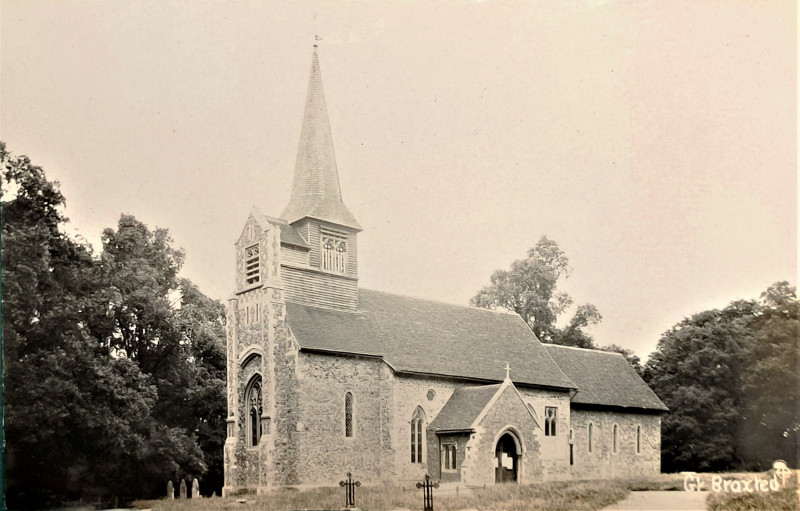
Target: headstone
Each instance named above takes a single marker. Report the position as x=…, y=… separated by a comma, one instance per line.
x=213, y=494
x=195, y=489
x=170, y=490
x=183, y=488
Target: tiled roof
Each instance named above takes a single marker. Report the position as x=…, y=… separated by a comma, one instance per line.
x=315, y=190
x=423, y=336
x=463, y=407
x=604, y=378
x=289, y=234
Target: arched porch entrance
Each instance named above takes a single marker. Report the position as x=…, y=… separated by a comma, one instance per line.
x=507, y=459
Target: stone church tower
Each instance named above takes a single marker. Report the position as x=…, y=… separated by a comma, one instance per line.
x=309, y=257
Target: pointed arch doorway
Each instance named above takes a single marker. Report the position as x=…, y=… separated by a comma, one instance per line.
x=507, y=457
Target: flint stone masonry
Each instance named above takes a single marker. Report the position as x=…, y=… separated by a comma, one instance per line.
x=602, y=462
x=323, y=450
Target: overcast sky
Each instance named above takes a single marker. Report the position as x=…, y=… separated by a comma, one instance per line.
x=654, y=141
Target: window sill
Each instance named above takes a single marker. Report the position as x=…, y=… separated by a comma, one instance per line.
x=250, y=288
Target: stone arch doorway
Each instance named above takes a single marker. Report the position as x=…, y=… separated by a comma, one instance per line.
x=507, y=457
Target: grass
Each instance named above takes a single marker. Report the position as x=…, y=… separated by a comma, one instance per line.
x=783, y=500
x=556, y=496
x=566, y=496
x=786, y=499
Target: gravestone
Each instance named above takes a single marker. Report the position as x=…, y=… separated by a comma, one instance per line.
x=214, y=494
x=183, y=488
x=170, y=490
x=195, y=489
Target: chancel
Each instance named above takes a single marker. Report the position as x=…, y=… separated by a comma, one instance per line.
x=326, y=378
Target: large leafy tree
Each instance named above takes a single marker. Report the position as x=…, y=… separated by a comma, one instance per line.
x=730, y=380
x=110, y=390
x=530, y=288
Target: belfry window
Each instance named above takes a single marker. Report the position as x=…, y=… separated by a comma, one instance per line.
x=348, y=414
x=254, y=409
x=417, y=425
x=252, y=273
x=334, y=250
x=550, y=419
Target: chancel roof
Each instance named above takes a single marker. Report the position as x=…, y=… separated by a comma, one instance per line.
x=427, y=337
x=604, y=379
x=315, y=190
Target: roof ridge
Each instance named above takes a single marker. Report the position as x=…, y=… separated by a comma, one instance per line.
x=594, y=350
x=440, y=302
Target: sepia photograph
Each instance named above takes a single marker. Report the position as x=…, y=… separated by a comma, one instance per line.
x=399, y=255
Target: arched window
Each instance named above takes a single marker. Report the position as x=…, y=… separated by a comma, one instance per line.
x=638, y=439
x=591, y=427
x=449, y=457
x=550, y=419
x=417, y=425
x=254, y=410
x=614, y=439
x=348, y=414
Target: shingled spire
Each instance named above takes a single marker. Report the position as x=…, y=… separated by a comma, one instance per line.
x=316, y=192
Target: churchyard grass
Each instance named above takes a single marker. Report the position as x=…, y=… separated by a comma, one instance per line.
x=566, y=496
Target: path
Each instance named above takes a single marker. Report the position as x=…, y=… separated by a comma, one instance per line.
x=662, y=501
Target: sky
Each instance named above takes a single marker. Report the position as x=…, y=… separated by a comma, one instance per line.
x=654, y=141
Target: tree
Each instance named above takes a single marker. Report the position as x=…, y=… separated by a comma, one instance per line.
x=529, y=288
x=69, y=406
x=629, y=355
x=730, y=380
x=110, y=390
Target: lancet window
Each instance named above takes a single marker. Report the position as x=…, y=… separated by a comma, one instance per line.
x=417, y=426
x=550, y=420
x=348, y=414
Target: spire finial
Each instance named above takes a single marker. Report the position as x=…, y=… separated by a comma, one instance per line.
x=508, y=371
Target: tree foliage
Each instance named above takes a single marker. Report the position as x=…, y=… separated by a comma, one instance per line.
x=530, y=289
x=110, y=390
x=730, y=379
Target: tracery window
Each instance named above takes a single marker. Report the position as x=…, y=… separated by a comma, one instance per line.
x=417, y=425
x=550, y=419
x=254, y=410
x=252, y=273
x=348, y=414
x=614, y=439
x=334, y=250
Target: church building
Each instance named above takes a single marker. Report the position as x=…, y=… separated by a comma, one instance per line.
x=326, y=378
